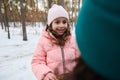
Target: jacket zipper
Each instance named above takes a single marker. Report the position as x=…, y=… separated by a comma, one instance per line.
x=63, y=59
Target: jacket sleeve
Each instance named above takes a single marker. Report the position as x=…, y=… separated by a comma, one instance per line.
x=77, y=51
x=39, y=67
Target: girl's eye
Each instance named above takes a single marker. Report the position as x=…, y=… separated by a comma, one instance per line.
x=64, y=22
x=57, y=22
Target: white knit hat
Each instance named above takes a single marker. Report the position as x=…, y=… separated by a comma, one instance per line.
x=56, y=11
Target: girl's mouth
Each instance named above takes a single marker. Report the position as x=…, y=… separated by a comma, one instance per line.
x=60, y=31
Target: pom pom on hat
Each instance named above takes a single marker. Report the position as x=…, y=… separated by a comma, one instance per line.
x=56, y=11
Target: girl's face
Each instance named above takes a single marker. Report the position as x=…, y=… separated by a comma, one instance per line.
x=60, y=25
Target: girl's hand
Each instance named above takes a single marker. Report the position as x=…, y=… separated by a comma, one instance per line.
x=50, y=76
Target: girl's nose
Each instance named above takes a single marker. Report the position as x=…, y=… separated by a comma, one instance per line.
x=62, y=24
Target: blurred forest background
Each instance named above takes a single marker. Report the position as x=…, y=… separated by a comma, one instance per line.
x=27, y=12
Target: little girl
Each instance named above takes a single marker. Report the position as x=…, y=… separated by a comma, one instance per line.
x=56, y=47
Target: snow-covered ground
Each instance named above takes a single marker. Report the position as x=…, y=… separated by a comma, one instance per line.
x=16, y=54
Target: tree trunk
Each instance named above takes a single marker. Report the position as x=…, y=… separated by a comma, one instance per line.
x=1, y=16
x=49, y=3
x=12, y=14
x=61, y=2
x=23, y=20
x=6, y=18
x=79, y=5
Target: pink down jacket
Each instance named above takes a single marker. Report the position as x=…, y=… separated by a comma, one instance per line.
x=48, y=57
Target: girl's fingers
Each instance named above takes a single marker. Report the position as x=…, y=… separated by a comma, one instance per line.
x=50, y=76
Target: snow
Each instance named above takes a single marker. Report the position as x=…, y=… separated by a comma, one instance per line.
x=16, y=54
